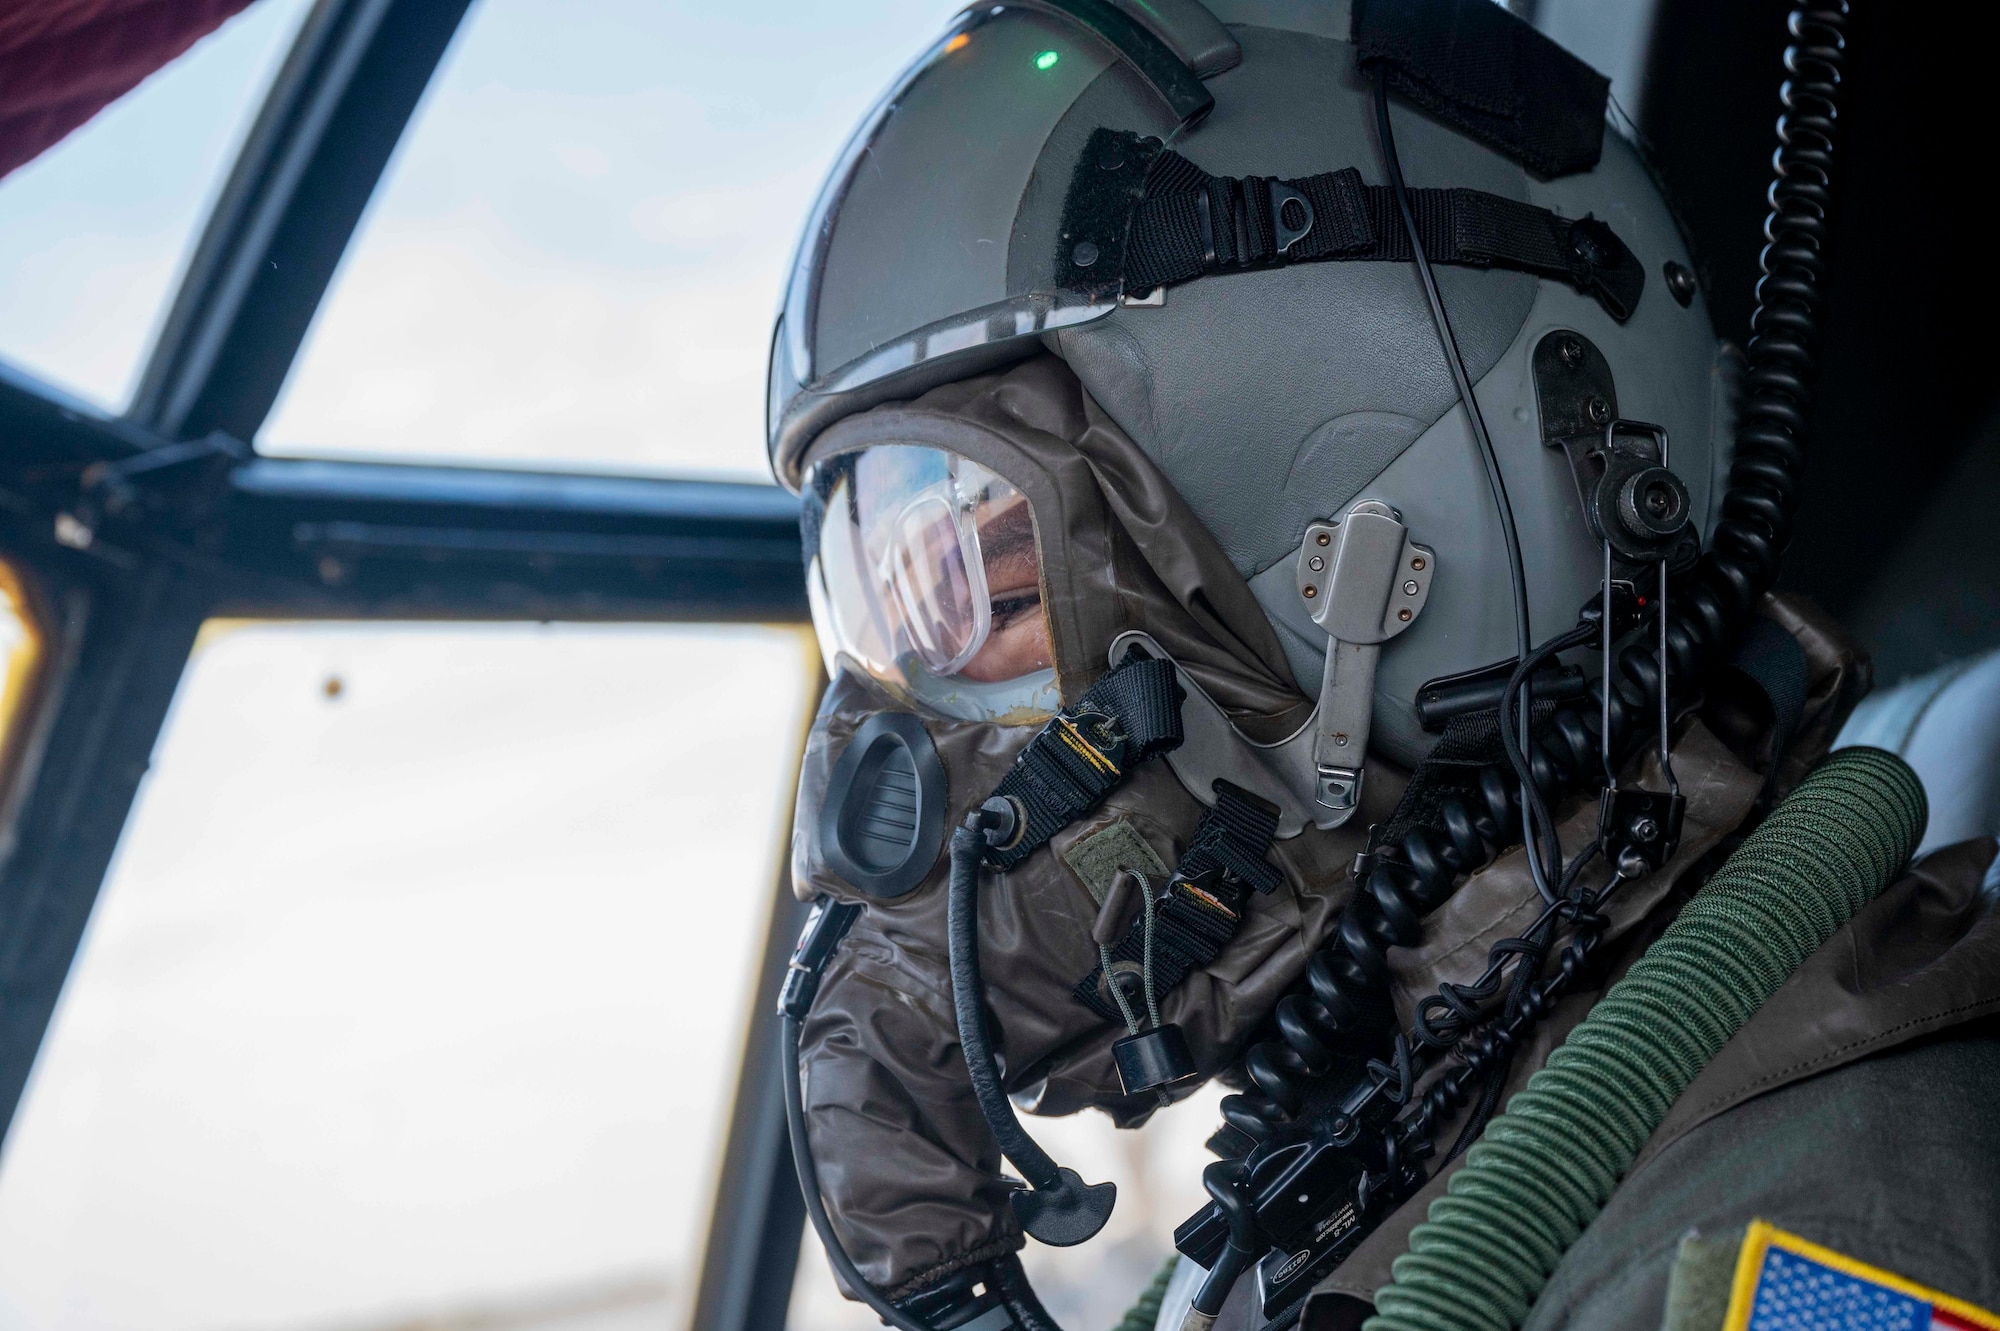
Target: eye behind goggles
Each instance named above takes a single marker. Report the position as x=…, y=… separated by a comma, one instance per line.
x=926, y=576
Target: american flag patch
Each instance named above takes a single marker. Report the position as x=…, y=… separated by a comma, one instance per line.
x=1784, y=1283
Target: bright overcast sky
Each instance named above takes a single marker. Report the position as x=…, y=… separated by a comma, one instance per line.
x=574, y=258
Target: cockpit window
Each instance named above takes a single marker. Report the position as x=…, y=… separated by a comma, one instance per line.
x=94, y=232
x=416, y=994
x=575, y=259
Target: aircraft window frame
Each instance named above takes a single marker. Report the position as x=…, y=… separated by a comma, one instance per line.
x=145, y=523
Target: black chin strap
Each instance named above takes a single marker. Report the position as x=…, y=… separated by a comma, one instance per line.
x=1128, y=716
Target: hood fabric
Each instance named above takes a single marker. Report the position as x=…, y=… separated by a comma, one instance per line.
x=908, y=1167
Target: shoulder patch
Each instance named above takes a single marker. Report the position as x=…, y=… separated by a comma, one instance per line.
x=1785, y=1283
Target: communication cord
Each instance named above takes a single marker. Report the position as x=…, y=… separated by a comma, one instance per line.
x=1545, y=1168
x=1535, y=814
x=1335, y=1010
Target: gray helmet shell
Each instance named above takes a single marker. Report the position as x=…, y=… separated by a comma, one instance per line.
x=1275, y=398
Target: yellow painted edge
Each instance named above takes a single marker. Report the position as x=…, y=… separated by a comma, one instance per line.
x=1761, y=1236
x=1799, y=1247
x=23, y=667
x=1749, y=1265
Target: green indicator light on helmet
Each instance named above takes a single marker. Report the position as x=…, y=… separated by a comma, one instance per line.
x=1047, y=60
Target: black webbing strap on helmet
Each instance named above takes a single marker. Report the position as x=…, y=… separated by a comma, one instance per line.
x=1203, y=904
x=1489, y=74
x=1190, y=224
x=1128, y=716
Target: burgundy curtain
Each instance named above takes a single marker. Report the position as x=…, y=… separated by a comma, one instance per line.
x=62, y=61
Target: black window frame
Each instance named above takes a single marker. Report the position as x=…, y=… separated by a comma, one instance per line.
x=133, y=529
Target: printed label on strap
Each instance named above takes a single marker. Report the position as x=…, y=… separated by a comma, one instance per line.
x=1784, y=1283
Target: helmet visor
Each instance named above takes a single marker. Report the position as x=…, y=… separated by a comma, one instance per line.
x=927, y=576
x=937, y=240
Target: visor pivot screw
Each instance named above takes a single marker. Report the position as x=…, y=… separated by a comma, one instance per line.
x=1680, y=283
x=1340, y=738
x=1417, y=564
x=1597, y=409
x=1085, y=254
x=1403, y=616
x=1410, y=587
x=1310, y=592
x=1316, y=563
x=1571, y=352
x=1324, y=538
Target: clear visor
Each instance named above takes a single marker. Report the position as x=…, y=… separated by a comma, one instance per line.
x=928, y=577
x=936, y=239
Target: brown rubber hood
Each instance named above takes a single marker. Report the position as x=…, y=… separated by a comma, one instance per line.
x=1120, y=550
x=906, y=1163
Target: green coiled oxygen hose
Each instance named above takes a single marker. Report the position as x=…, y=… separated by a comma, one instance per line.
x=1545, y=1168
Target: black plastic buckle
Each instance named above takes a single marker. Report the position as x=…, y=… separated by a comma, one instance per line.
x=1094, y=736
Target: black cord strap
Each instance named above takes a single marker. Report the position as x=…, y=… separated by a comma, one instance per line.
x=1128, y=716
x=1057, y=1206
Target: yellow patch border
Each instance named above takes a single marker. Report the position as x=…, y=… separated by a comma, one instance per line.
x=1762, y=1236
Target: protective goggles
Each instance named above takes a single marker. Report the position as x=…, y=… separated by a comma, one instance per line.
x=926, y=575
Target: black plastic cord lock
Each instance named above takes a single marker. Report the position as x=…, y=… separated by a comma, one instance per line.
x=1153, y=1060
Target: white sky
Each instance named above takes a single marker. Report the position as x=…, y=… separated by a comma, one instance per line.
x=578, y=253
x=422, y=995
x=93, y=232
x=575, y=257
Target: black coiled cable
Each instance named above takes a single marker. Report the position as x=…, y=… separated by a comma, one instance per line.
x=1340, y=1010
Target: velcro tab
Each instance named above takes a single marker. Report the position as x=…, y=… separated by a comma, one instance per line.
x=1481, y=70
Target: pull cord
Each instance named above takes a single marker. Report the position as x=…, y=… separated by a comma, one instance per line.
x=1150, y=993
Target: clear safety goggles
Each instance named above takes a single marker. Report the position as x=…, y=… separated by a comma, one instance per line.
x=926, y=575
